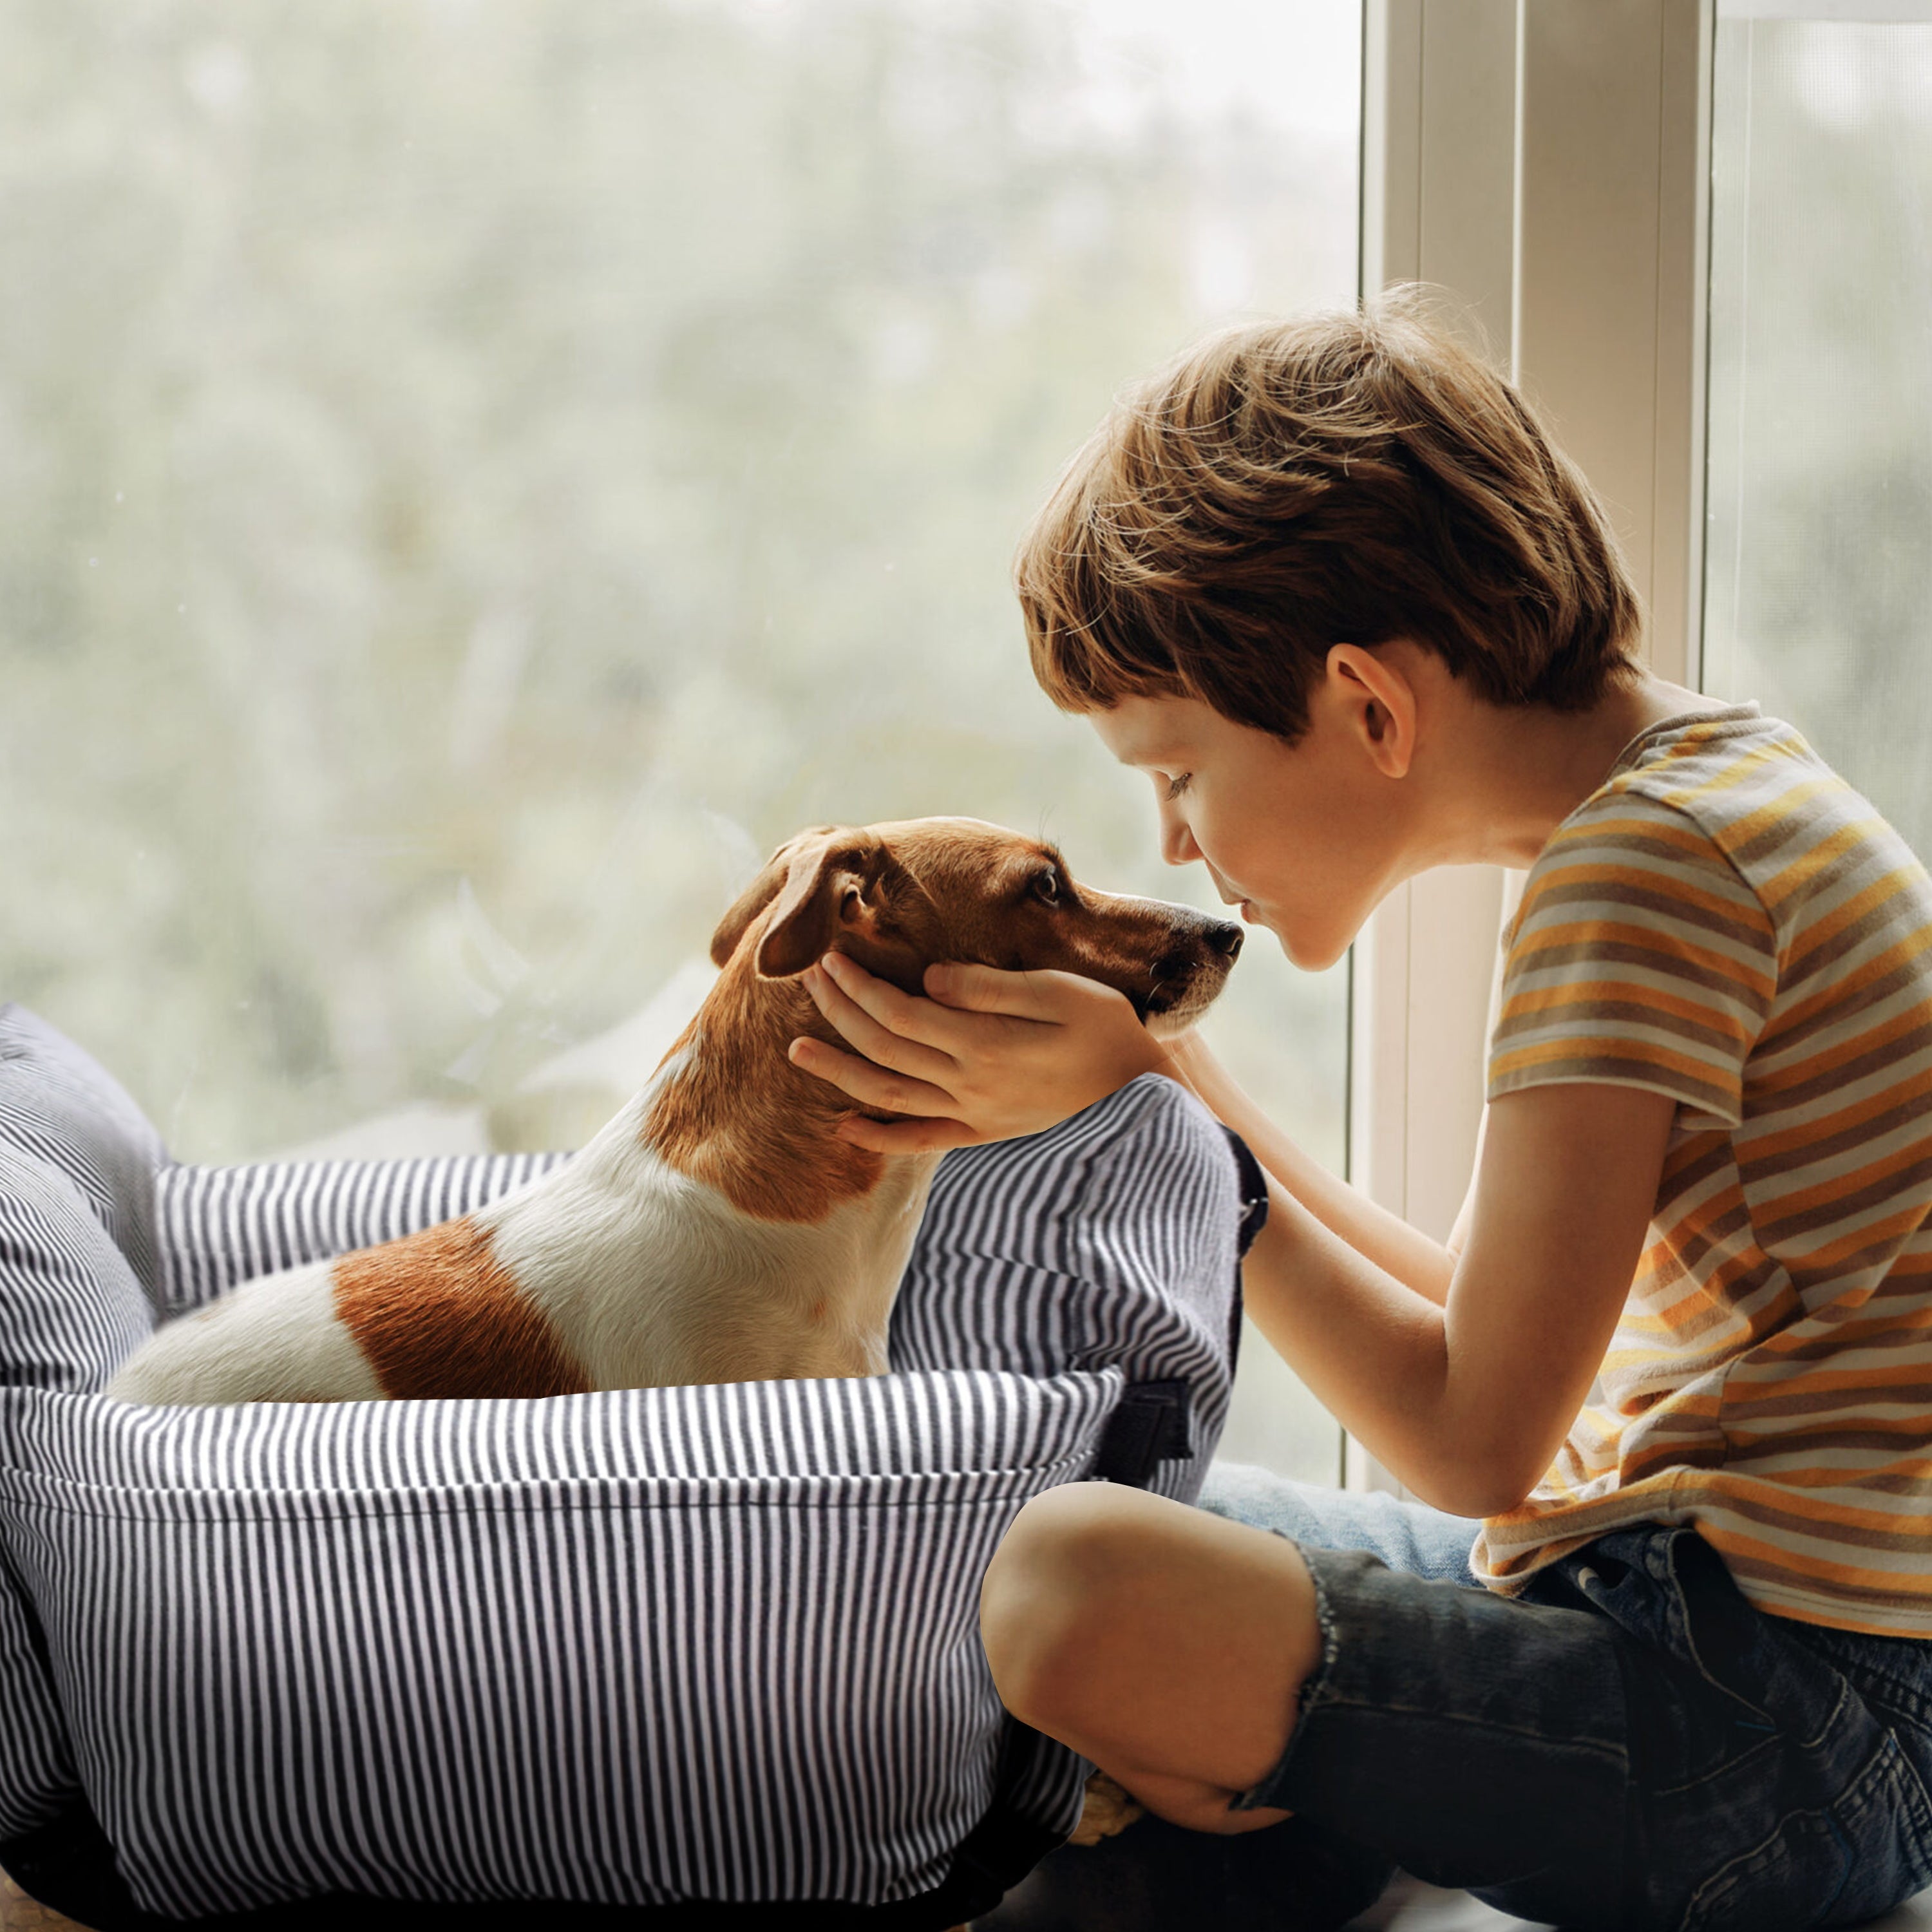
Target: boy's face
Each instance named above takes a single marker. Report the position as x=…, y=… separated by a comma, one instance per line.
x=1303, y=837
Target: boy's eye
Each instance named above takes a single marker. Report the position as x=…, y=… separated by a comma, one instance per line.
x=1177, y=784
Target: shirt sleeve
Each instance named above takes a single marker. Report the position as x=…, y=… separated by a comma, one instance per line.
x=1640, y=957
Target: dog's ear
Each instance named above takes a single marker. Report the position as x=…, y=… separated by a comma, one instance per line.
x=832, y=889
x=760, y=893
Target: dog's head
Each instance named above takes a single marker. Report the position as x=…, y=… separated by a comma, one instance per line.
x=901, y=897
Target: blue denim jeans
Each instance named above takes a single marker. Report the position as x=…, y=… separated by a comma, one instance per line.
x=1628, y=1745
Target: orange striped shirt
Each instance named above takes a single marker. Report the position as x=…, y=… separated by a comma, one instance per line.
x=1726, y=921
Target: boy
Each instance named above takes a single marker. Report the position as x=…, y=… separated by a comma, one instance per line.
x=1329, y=585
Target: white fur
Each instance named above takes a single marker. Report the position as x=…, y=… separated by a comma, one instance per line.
x=648, y=1277
x=651, y=1278
x=277, y=1338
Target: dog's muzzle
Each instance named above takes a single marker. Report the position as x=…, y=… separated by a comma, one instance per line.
x=1176, y=974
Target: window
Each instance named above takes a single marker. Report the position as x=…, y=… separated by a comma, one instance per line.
x=1819, y=553
x=475, y=474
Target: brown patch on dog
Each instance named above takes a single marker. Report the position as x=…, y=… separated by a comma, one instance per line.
x=744, y=1121
x=436, y=1314
x=898, y=898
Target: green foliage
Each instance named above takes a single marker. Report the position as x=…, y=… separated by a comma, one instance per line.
x=475, y=473
x=1819, y=560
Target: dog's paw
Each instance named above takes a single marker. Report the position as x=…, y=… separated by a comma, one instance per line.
x=1107, y=1809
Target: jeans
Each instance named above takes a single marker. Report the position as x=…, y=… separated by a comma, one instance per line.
x=1628, y=1744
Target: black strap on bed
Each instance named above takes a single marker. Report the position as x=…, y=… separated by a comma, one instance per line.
x=1254, y=1190
x=1254, y=1218
x=1148, y=1426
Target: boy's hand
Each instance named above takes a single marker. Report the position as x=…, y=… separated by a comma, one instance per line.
x=989, y=1056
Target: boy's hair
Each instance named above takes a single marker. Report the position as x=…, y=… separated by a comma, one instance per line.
x=1339, y=478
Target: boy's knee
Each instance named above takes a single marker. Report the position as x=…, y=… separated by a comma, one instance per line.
x=1052, y=1591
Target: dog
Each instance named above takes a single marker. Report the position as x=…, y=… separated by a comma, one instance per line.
x=717, y=1229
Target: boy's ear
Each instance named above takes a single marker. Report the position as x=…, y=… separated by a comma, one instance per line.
x=830, y=888
x=1379, y=702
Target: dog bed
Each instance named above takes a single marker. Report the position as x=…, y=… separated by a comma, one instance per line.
x=709, y=1655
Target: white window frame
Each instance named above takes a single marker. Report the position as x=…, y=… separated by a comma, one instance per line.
x=1546, y=162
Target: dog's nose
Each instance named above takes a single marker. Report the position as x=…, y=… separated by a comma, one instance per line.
x=1226, y=939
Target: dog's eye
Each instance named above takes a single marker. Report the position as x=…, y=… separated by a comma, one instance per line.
x=1046, y=888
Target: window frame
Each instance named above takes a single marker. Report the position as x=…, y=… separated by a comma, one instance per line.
x=1549, y=166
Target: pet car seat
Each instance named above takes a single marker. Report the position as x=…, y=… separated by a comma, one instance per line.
x=703, y=1657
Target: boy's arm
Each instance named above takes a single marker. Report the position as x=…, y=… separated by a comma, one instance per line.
x=1371, y=1230
x=1459, y=1367
x=1462, y=1372
x=1467, y=1402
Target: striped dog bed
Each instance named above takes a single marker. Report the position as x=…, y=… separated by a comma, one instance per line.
x=709, y=1654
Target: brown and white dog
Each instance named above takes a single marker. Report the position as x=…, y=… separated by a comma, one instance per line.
x=717, y=1229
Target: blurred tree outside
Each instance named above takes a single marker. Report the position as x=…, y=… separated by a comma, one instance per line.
x=1819, y=538
x=476, y=475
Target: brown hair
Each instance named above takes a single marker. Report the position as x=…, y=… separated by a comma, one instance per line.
x=1340, y=479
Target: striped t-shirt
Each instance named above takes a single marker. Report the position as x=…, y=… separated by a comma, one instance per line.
x=1726, y=921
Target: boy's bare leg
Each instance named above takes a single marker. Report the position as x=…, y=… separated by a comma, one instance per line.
x=1166, y=1645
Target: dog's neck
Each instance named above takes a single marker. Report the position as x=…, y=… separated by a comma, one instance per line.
x=730, y=1110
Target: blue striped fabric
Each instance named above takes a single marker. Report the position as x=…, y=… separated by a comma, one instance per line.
x=611, y=1648
x=1111, y=1242
x=78, y=1166
x=78, y=1163
x=219, y=1226
x=635, y=1646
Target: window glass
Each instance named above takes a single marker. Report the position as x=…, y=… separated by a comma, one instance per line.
x=1819, y=558
x=476, y=475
